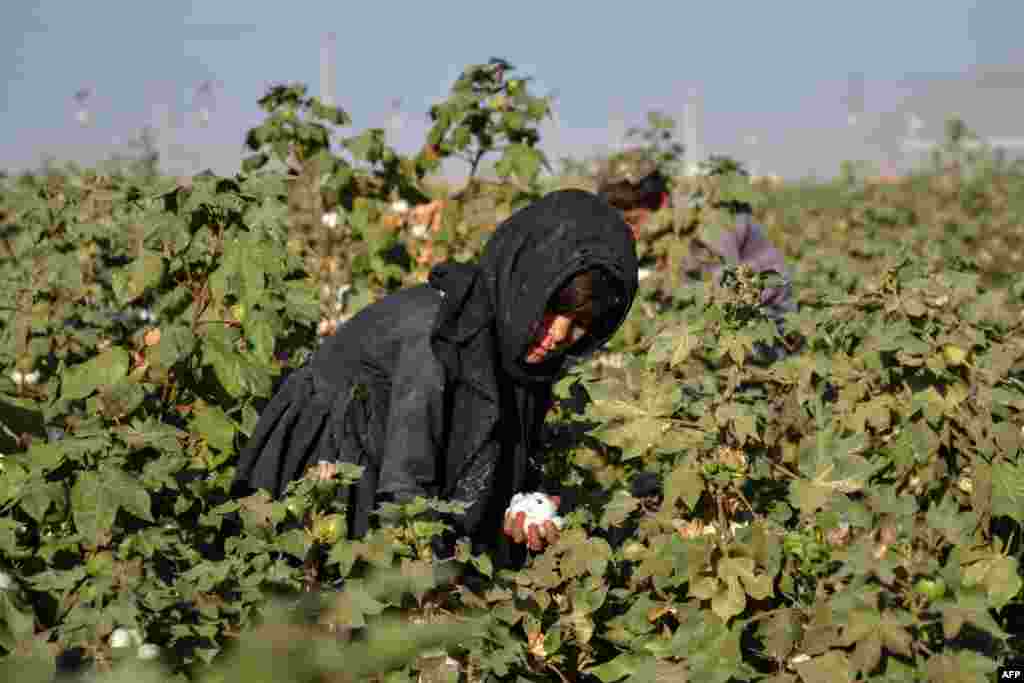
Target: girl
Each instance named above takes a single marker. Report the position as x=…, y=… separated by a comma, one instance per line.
x=440, y=390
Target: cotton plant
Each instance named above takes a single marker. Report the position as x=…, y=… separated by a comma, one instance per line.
x=123, y=638
x=25, y=378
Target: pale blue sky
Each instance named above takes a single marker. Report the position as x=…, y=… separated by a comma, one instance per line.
x=775, y=70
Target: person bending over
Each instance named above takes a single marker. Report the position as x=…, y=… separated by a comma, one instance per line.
x=440, y=390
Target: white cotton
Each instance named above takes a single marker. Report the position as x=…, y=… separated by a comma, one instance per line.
x=6, y=581
x=148, y=651
x=643, y=273
x=341, y=294
x=539, y=508
x=32, y=378
x=125, y=637
x=17, y=377
x=330, y=219
x=420, y=230
x=400, y=206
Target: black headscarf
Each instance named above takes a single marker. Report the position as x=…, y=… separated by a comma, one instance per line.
x=484, y=325
x=527, y=260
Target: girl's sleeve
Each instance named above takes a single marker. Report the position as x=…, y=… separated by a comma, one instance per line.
x=475, y=487
x=410, y=463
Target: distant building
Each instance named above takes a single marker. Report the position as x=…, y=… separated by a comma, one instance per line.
x=989, y=100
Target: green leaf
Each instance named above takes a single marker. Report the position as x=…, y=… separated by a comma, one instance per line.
x=93, y=505
x=1008, y=490
x=262, y=328
x=45, y=456
x=97, y=496
x=461, y=138
x=959, y=667
x=16, y=623
x=998, y=574
x=521, y=160
x=970, y=607
x=685, y=483
x=353, y=604
x=213, y=424
x=254, y=162
x=237, y=374
x=728, y=600
x=295, y=542
x=616, y=669
x=122, y=399
x=831, y=667
x=618, y=509
x=38, y=496
x=483, y=564
x=947, y=518
x=132, y=281
x=302, y=301
x=757, y=585
x=105, y=369
x=176, y=342
x=38, y=664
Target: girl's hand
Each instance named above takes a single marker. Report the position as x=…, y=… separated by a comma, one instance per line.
x=324, y=470
x=536, y=536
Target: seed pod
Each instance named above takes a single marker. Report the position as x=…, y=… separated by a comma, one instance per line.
x=954, y=355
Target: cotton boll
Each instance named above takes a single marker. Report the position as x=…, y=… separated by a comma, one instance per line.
x=17, y=377
x=643, y=273
x=420, y=230
x=32, y=378
x=400, y=206
x=6, y=581
x=538, y=507
x=341, y=294
x=330, y=219
x=148, y=651
x=125, y=637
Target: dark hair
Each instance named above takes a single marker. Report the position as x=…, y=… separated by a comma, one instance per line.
x=646, y=194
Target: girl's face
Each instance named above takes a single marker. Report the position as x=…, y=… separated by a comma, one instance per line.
x=555, y=331
x=637, y=218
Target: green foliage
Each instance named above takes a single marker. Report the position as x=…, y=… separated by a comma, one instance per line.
x=658, y=139
x=722, y=165
x=853, y=510
x=298, y=133
x=489, y=111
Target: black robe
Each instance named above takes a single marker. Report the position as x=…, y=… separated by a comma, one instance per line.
x=427, y=388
